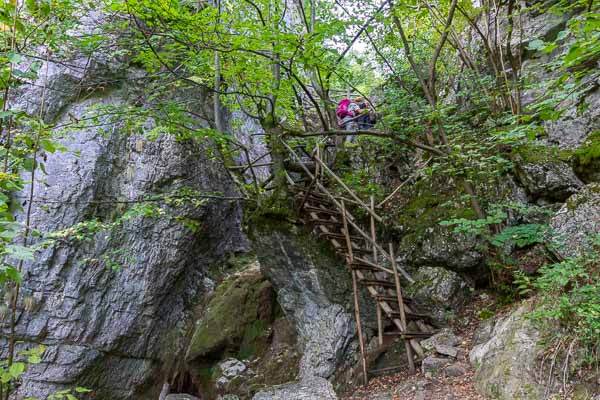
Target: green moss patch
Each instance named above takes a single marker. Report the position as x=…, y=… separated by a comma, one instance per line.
x=586, y=159
x=539, y=154
x=236, y=319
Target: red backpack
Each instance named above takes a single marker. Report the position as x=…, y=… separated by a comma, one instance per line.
x=342, y=108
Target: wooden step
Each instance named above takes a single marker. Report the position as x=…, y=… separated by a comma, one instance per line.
x=392, y=298
x=364, y=267
x=361, y=250
x=385, y=371
x=325, y=222
x=318, y=201
x=355, y=251
x=410, y=335
x=409, y=316
x=319, y=210
x=360, y=260
x=377, y=282
x=340, y=236
x=301, y=192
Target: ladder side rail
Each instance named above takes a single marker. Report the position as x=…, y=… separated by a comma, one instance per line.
x=351, y=219
x=349, y=260
x=347, y=189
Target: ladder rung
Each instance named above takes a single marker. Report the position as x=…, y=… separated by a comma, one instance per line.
x=364, y=267
x=344, y=250
x=409, y=316
x=301, y=192
x=361, y=250
x=319, y=221
x=376, y=282
x=321, y=210
x=384, y=371
x=362, y=261
x=314, y=200
x=390, y=298
x=410, y=335
x=336, y=235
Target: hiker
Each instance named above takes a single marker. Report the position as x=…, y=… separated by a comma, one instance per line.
x=365, y=121
x=346, y=111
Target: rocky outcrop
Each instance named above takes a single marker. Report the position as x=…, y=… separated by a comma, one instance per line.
x=438, y=290
x=577, y=220
x=440, y=247
x=113, y=294
x=241, y=343
x=551, y=180
x=313, y=290
x=506, y=363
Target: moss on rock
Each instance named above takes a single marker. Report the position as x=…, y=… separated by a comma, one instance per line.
x=236, y=319
x=586, y=159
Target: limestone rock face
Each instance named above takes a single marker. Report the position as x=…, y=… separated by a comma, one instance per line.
x=506, y=364
x=577, y=219
x=313, y=290
x=108, y=308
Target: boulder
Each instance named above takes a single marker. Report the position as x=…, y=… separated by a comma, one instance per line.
x=506, y=364
x=577, y=220
x=112, y=309
x=241, y=342
x=439, y=246
x=444, y=338
x=454, y=370
x=432, y=365
x=181, y=396
x=310, y=388
x=574, y=126
x=549, y=180
x=231, y=368
x=439, y=291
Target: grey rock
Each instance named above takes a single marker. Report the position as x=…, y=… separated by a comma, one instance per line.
x=574, y=126
x=248, y=132
x=553, y=180
x=228, y=397
x=114, y=303
x=313, y=290
x=181, y=396
x=446, y=350
x=232, y=367
x=578, y=219
x=432, y=365
x=440, y=247
x=506, y=365
x=439, y=290
x=385, y=395
x=484, y=332
x=454, y=370
x=444, y=337
x=311, y=388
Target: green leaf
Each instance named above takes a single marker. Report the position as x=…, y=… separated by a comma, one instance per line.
x=16, y=369
x=14, y=58
x=19, y=252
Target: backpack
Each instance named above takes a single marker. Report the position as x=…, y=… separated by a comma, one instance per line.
x=342, y=108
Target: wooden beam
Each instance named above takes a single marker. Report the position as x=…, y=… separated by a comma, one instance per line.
x=409, y=352
x=349, y=260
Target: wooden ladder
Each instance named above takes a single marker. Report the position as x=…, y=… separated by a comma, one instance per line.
x=369, y=264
